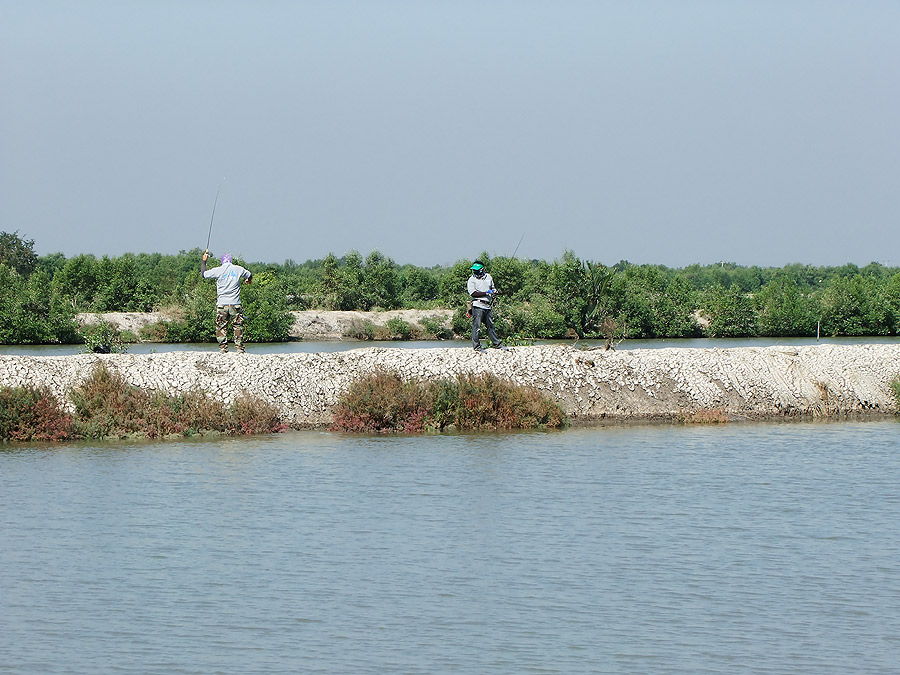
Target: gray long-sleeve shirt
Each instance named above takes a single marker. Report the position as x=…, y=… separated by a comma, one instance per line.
x=228, y=281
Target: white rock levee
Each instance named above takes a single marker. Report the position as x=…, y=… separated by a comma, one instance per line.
x=751, y=382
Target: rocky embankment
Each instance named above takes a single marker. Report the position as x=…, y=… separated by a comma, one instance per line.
x=748, y=382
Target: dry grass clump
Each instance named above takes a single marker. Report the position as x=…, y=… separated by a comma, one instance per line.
x=383, y=402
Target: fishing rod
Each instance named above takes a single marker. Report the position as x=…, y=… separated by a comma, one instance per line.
x=494, y=302
x=517, y=245
x=213, y=216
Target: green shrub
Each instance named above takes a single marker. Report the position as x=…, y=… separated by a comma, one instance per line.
x=419, y=285
x=731, y=313
x=360, y=330
x=519, y=340
x=155, y=332
x=267, y=317
x=399, y=329
x=433, y=327
x=537, y=318
x=856, y=306
x=383, y=402
x=32, y=312
x=461, y=324
x=198, y=321
x=104, y=338
x=784, y=310
x=267, y=322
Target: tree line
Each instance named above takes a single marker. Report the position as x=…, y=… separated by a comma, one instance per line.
x=567, y=297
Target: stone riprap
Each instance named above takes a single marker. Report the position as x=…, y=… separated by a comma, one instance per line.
x=820, y=380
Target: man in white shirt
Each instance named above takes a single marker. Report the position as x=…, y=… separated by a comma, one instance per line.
x=228, y=278
x=481, y=290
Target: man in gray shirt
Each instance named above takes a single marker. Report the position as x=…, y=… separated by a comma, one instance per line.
x=228, y=278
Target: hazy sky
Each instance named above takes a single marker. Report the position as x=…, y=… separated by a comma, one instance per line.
x=657, y=131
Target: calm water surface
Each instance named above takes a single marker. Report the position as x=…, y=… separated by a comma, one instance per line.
x=738, y=549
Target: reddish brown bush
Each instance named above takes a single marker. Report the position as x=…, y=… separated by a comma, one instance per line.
x=491, y=403
x=382, y=402
x=28, y=414
x=107, y=406
x=251, y=415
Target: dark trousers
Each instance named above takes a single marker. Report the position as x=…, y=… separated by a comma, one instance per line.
x=483, y=316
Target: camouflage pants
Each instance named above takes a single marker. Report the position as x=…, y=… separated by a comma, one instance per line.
x=223, y=312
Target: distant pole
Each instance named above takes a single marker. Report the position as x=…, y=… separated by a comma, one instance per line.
x=818, y=326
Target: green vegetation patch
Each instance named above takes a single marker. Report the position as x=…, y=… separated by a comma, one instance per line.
x=105, y=338
x=382, y=402
x=566, y=298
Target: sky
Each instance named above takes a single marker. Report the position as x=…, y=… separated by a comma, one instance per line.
x=672, y=132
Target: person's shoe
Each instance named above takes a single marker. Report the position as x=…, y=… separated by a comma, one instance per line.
x=241, y=348
x=478, y=349
x=223, y=348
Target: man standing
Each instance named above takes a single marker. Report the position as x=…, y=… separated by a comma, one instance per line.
x=228, y=302
x=481, y=290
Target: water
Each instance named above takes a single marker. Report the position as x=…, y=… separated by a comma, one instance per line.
x=752, y=548
x=313, y=346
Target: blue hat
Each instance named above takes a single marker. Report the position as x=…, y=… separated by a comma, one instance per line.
x=226, y=258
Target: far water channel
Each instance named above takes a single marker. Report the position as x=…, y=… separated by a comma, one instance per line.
x=742, y=548
x=313, y=346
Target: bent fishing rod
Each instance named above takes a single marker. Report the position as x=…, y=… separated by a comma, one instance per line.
x=213, y=216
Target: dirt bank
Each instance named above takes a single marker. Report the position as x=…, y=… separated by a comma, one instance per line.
x=308, y=324
x=321, y=325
